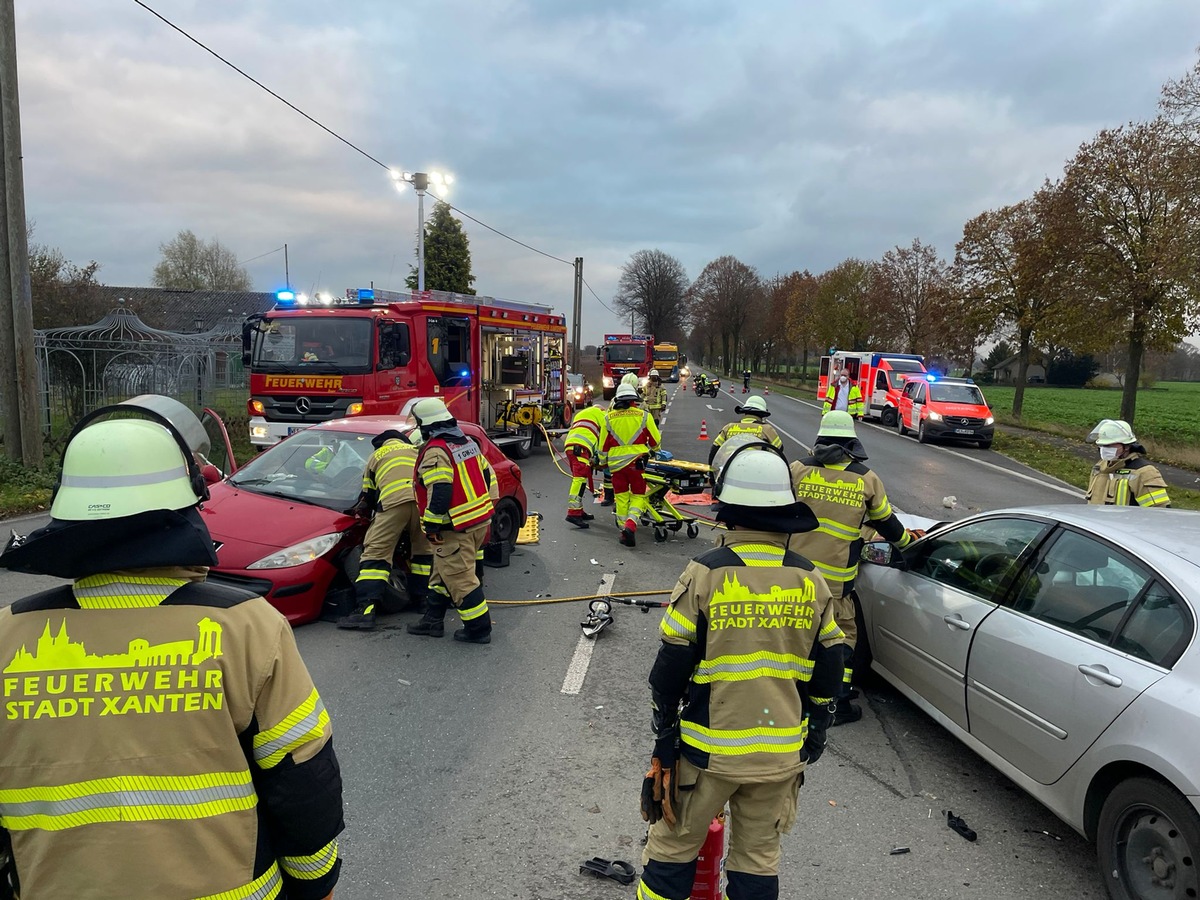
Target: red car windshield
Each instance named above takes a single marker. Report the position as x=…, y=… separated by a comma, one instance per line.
x=319, y=467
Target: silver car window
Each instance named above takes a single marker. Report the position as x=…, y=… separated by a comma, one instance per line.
x=1082, y=585
x=980, y=558
x=1158, y=629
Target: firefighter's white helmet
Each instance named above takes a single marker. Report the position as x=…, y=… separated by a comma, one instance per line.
x=1112, y=431
x=429, y=411
x=631, y=379
x=837, y=423
x=754, y=405
x=121, y=467
x=753, y=474
x=626, y=392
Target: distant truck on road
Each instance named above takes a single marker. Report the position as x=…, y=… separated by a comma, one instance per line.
x=622, y=354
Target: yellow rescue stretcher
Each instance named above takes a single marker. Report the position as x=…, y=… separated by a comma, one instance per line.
x=672, y=476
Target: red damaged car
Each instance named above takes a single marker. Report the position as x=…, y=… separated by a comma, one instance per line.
x=279, y=526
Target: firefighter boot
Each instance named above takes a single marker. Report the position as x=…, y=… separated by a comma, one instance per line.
x=362, y=619
x=477, y=621
x=418, y=583
x=845, y=712
x=431, y=624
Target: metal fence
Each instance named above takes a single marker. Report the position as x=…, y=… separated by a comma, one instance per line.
x=89, y=366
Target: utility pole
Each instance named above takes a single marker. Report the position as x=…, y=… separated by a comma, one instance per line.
x=18, y=359
x=287, y=278
x=575, y=328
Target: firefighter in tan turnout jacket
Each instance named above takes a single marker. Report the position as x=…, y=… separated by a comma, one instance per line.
x=454, y=487
x=844, y=495
x=162, y=737
x=749, y=628
x=1123, y=476
x=387, y=489
x=753, y=426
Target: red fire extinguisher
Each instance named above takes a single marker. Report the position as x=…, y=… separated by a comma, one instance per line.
x=707, y=884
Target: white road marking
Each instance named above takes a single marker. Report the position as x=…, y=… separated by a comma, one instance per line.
x=577, y=670
x=1045, y=481
x=715, y=408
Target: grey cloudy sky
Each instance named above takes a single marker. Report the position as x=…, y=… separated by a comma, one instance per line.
x=789, y=134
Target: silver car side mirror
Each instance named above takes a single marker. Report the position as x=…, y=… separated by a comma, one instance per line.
x=881, y=553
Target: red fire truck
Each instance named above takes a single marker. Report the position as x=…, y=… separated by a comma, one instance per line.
x=622, y=354
x=497, y=363
x=880, y=376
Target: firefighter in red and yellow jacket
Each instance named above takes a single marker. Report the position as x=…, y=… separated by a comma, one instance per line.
x=844, y=395
x=387, y=489
x=453, y=487
x=164, y=740
x=631, y=436
x=587, y=434
x=741, y=686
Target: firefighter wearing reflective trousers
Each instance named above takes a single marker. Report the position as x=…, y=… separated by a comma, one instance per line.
x=163, y=739
x=1123, y=476
x=844, y=396
x=387, y=489
x=587, y=434
x=656, y=398
x=749, y=650
x=844, y=495
x=631, y=436
x=453, y=487
x=753, y=425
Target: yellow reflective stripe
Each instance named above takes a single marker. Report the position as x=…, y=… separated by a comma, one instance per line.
x=421, y=568
x=836, y=573
x=306, y=868
x=108, y=591
x=882, y=511
x=474, y=612
x=373, y=575
x=126, y=798
x=737, y=742
x=438, y=475
x=759, y=555
x=479, y=554
x=305, y=723
x=1156, y=497
x=836, y=529
x=471, y=508
x=432, y=518
x=748, y=666
x=265, y=887
x=847, y=674
x=831, y=630
x=644, y=893
x=675, y=624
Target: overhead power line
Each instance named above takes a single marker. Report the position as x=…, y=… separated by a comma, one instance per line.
x=260, y=256
x=597, y=296
x=330, y=131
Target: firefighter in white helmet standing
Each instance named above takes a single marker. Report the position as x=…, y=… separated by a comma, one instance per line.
x=453, y=488
x=844, y=495
x=753, y=424
x=719, y=668
x=185, y=752
x=631, y=435
x=1123, y=476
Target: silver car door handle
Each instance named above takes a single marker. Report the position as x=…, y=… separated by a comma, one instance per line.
x=1101, y=674
x=957, y=622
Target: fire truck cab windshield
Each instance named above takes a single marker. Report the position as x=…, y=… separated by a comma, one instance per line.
x=317, y=344
x=626, y=353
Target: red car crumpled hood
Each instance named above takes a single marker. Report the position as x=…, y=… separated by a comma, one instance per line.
x=250, y=525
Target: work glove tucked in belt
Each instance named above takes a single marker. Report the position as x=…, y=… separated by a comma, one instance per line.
x=660, y=792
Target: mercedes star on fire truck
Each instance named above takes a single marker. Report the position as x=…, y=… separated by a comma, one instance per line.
x=497, y=363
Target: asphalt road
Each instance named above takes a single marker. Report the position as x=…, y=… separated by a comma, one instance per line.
x=469, y=770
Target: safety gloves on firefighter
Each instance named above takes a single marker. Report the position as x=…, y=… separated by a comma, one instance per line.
x=660, y=790
x=819, y=717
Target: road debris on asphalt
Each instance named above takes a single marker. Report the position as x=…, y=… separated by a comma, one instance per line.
x=954, y=823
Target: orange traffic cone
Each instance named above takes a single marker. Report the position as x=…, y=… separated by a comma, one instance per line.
x=766, y=389
x=703, y=431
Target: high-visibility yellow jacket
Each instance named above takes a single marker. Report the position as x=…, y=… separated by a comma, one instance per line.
x=163, y=741
x=632, y=433
x=749, y=425
x=389, y=473
x=768, y=644
x=854, y=404
x=1131, y=480
x=588, y=430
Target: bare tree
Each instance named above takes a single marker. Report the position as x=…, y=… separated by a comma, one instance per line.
x=911, y=283
x=725, y=294
x=1133, y=233
x=189, y=263
x=653, y=287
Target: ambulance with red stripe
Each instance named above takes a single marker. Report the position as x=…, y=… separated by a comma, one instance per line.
x=879, y=375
